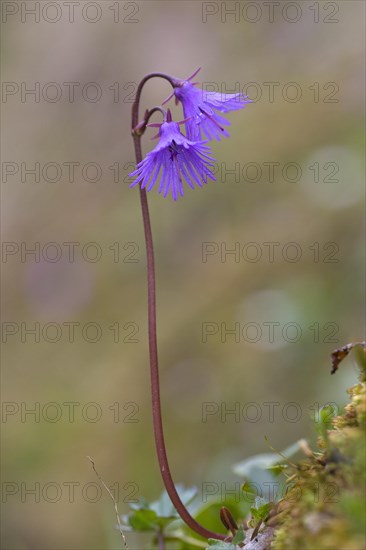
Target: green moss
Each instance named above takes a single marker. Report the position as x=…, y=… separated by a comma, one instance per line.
x=325, y=504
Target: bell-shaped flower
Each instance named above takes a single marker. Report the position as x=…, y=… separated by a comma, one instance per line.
x=201, y=108
x=173, y=161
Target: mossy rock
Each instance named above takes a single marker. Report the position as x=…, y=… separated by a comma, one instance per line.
x=325, y=504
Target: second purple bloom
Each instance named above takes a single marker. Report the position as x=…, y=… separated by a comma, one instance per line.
x=202, y=109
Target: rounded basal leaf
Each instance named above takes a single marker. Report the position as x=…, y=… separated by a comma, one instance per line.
x=143, y=520
x=157, y=515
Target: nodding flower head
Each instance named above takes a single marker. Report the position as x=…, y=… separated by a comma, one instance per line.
x=176, y=159
x=200, y=108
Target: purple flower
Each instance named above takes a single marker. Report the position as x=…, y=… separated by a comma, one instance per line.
x=175, y=158
x=201, y=107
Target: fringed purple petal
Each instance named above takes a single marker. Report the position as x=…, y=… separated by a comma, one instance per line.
x=175, y=160
x=203, y=107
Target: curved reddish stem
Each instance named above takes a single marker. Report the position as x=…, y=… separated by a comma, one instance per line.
x=153, y=347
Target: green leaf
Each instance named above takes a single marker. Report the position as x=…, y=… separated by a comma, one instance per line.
x=164, y=507
x=239, y=536
x=261, y=509
x=277, y=469
x=249, y=488
x=157, y=515
x=261, y=471
x=249, y=466
x=143, y=520
x=142, y=504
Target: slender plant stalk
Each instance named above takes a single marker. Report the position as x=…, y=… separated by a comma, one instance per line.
x=161, y=540
x=137, y=131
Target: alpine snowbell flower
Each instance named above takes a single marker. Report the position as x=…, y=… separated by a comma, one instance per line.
x=201, y=106
x=177, y=158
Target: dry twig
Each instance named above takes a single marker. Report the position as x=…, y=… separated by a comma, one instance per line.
x=114, y=502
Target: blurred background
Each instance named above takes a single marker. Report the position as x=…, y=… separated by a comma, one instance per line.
x=74, y=328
